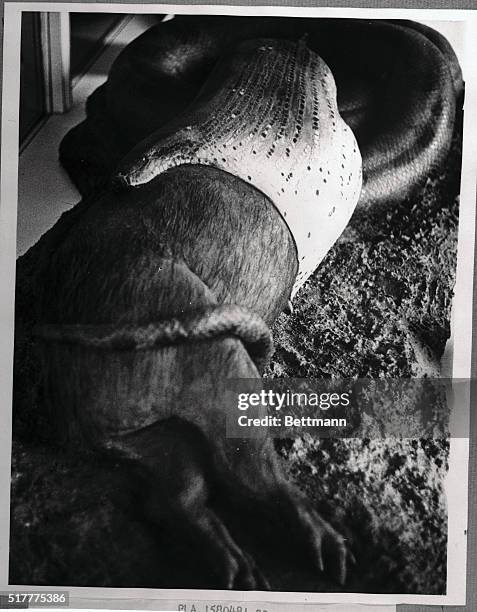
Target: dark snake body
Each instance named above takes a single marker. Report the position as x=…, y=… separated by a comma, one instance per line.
x=398, y=86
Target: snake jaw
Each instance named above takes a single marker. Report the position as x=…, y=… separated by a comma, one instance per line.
x=134, y=175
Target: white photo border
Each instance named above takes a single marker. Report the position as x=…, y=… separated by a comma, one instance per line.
x=457, y=478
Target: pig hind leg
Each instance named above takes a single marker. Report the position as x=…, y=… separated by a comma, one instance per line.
x=177, y=485
x=257, y=480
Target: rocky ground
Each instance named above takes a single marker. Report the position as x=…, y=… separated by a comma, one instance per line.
x=379, y=305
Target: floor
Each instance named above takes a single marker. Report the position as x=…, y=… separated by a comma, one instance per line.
x=44, y=189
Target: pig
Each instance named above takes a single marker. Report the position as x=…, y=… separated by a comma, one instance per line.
x=164, y=280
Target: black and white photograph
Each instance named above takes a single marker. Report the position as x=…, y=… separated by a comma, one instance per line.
x=209, y=195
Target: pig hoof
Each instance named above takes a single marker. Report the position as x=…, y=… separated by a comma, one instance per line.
x=235, y=569
x=328, y=548
x=239, y=571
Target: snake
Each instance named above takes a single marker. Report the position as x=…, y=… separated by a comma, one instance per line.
x=330, y=118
